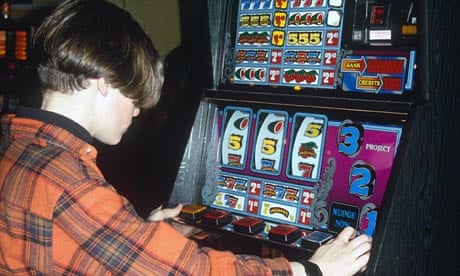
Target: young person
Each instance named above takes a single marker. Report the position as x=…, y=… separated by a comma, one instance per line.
x=58, y=215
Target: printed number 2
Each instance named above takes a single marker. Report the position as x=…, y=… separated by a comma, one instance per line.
x=362, y=180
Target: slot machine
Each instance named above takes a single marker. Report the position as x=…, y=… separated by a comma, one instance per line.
x=302, y=131
x=17, y=26
x=13, y=61
x=14, y=57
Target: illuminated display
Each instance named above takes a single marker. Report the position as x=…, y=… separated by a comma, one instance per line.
x=296, y=46
x=3, y=44
x=289, y=43
x=325, y=174
x=21, y=45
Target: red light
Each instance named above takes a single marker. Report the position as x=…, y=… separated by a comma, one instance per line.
x=11, y=66
x=377, y=15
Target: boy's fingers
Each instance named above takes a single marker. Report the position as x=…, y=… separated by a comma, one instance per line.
x=347, y=234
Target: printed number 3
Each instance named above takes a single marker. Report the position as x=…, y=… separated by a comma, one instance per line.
x=350, y=138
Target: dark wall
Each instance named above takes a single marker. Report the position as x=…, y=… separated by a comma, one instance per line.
x=421, y=236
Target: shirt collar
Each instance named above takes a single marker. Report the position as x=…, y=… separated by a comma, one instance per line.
x=55, y=119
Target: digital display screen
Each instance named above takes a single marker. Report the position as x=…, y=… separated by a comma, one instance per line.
x=288, y=43
x=324, y=46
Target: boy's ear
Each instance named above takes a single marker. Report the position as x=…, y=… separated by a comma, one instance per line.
x=102, y=86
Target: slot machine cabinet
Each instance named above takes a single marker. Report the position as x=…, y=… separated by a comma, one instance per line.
x=394, y=108
x=14, y=42
x=19, y=85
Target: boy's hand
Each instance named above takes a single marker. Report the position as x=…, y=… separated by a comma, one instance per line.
x=160, y=214
x=345, y=255
x=172, y=216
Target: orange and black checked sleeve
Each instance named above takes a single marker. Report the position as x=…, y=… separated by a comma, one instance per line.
x=58, y=216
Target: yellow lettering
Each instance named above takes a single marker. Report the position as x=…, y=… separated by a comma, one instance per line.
x=351, y=65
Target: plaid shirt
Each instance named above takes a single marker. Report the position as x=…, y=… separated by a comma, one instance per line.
x=58, y=216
